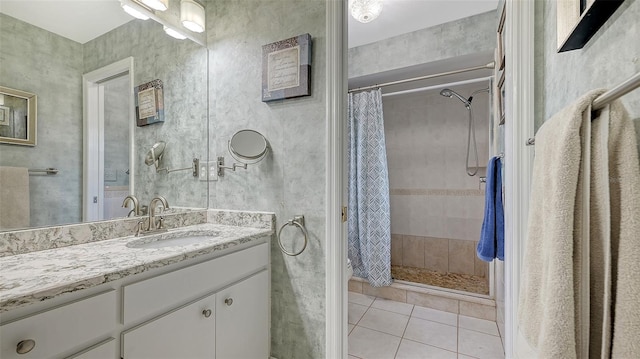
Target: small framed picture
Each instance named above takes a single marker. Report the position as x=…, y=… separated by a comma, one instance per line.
x=286, y=68
x=149, y=103
x=5, y=112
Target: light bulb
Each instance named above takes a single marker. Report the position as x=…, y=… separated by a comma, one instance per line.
x=133, y=12
x=160, y=5
x=192, y=15
x=173, y=33
x=365, y=10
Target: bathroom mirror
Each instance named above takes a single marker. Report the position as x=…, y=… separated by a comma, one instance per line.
x=53, y=66
x=248, y=146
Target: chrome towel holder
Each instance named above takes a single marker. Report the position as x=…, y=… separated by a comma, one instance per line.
x=297, y=221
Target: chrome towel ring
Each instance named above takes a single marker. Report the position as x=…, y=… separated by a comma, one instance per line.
x=297, y=221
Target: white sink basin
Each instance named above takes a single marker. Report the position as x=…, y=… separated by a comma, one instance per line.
x=175, y=239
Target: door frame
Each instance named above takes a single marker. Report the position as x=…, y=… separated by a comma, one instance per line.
x=93, y=135
x=519, y=126
x=519, y=41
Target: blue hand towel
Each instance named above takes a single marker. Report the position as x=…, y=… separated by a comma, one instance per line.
x=491, y=244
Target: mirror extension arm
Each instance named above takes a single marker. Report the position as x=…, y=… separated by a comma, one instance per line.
x=221, y=166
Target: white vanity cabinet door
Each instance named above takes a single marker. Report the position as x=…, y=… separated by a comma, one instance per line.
x=242, y=319
x=187, y=332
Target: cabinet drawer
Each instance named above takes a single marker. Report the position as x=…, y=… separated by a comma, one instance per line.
x=61, y=329
x=151, y=297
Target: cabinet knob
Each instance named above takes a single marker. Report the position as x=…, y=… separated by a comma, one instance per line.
x=206, y=313
x=228, y=301
x=25, y=346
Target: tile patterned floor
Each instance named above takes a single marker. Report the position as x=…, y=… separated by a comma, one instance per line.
x=385, y=329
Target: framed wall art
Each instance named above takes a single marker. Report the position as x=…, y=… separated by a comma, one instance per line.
x=149, y=103
x=578, y=20
x=18, y=117
x=286, y=68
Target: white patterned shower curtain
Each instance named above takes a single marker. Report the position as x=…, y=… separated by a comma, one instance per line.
x=369, y=220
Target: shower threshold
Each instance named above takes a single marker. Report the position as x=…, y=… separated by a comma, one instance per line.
x=470, y=284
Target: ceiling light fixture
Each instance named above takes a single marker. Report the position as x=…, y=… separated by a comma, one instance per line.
x=173, y=33
x=192, y=15
x=365, y=10
x=133, y=12
x=160, y=5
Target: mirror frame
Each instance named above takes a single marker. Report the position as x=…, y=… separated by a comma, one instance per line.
x=32, y=109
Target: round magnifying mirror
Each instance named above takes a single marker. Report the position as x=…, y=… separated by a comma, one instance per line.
x=154, y=153
x=248, y=146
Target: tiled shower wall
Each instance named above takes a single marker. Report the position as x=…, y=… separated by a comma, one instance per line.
x=436, y=208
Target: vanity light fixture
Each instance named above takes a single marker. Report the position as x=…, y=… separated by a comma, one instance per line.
x=192, y=15
x=160, y=5
x=365, y=10
x=173, y=33
x=133, y=12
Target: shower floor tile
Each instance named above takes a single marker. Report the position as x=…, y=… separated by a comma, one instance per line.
x=463, y=282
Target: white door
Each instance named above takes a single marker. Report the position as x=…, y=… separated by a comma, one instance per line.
x=242, y=319
x=188, y=332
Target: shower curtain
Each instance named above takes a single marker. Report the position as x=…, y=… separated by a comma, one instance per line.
x=369, y=220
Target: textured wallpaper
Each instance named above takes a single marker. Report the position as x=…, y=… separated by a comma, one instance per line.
x=291, y=179
x=467, y=36
x=50, y=66
x=608, y=59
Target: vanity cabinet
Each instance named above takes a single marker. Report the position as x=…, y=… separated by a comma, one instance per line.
x=215, y=308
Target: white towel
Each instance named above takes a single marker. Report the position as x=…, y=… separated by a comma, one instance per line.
x=14, y=198
x=579, y=283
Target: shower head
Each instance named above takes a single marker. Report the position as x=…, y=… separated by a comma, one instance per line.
x=450, y=93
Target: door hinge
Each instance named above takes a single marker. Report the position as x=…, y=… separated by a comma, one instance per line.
x=344, y=214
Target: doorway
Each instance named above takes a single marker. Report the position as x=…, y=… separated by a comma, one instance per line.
x=108, y=140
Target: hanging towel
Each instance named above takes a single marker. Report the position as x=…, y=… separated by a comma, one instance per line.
x=14, y=198
x=551, y=310
x=624, y=189
x=579, y=286
x=491, y=244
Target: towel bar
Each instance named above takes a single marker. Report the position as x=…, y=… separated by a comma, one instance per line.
x=49, y=171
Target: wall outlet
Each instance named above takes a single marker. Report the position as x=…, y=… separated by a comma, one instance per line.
x=203, y=171
x=110, y=175
x=208, y=171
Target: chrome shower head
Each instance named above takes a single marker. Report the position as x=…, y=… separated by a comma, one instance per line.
x=450, y=93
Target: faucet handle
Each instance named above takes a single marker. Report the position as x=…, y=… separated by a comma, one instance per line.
x=139, y=227
x=161, y=222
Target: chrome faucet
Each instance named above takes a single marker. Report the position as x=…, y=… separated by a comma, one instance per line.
x=152, y=213
x=136, y=205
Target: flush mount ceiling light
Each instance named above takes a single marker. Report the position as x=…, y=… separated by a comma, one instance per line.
x=173, y=33
x=133, y=12
x=365, y=10
x=160, y=5
x=192, y=15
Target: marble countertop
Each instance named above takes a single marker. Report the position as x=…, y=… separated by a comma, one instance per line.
x=36, y=276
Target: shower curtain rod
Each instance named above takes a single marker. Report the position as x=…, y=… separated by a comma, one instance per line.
x=483, y=67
